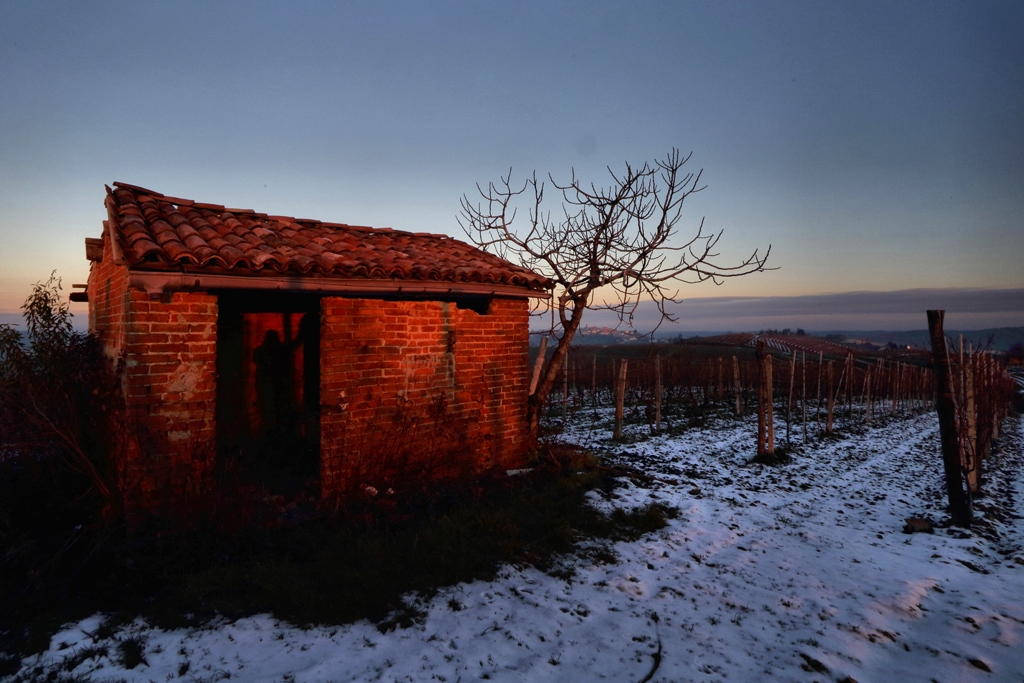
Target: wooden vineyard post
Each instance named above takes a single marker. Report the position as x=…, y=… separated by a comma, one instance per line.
x=789, y=401
x=881, y=381
x=737, y=386
x=891, y=384
x=986, y=409
x=769, y=404
x=844, y=388
x=707, y=373
x=593, y=380
x=719, y=385
x=831, y=401
x=761, y=426
x=959, y=499
x=969, y=445
x=803, y=390
x=908, y=388
x=894, y=401
x=849, y=390
x=657, y=393
x=867, y=395
x=914, y=388
x=765, y=412
x=879, y=387
x=1000, y=407
x=900, y=381
x=925, y=395
x=837, y=396
x=620, y=399
x=960, y=396
x=897, y=388
x=817, y=401
x=565, y=390
x=927, y=389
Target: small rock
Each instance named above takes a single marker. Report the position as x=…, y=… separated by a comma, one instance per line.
x=918, y=525
x=980, y=664
x=812, y=664
x=973, y=567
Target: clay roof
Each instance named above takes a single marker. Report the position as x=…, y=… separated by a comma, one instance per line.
x=156, y=232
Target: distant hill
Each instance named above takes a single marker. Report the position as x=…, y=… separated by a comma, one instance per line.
x=600, y=336
x=1002, y=337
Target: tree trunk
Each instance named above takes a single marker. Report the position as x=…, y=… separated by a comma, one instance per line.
x=538, y=365
x=959, y=499
x=539, y=396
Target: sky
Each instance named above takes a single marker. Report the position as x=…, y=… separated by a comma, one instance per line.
x=878, y=147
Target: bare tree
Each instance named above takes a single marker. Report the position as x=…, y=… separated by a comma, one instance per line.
x=609, y=247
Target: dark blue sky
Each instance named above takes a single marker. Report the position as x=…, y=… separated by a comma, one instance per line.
x=876, y=146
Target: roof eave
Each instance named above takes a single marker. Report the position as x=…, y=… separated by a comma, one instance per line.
x=162, y=282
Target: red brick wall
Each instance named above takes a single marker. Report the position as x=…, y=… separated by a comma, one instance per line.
x=168, y=350
x=170, y=394
x=413, y=391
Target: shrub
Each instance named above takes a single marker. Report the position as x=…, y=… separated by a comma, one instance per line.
x=58, y=487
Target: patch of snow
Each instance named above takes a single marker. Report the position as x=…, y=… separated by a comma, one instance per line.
x=796, y=573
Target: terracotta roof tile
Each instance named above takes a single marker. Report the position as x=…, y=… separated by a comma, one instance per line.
x=155, y=231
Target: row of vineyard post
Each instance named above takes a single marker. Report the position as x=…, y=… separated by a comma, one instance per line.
x=974, y=395
x=815, y=396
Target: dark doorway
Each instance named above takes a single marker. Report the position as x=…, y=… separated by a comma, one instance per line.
x=268, y=388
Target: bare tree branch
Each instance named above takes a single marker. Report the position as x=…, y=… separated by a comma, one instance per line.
x=612, y=248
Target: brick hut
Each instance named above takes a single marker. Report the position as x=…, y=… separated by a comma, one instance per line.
x=293, y=349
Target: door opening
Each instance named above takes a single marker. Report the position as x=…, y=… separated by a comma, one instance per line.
x=268, y=390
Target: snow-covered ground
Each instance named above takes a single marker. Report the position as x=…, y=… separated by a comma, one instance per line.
x=795, y=573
